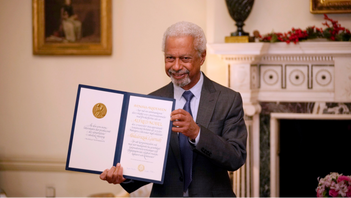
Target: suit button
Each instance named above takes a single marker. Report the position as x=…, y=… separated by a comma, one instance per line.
x=181, y=179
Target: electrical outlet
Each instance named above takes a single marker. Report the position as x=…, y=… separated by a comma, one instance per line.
x=50, y=192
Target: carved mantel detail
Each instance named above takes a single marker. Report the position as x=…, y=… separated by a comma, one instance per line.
x=288, y=72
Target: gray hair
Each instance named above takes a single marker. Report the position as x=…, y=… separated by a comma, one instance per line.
x=184, y=28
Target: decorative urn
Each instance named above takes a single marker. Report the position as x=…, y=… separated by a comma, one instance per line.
x=239, y=10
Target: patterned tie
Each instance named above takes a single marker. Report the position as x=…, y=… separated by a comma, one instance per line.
x=185, y=149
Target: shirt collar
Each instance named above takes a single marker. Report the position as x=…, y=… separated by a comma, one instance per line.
x=196, y=90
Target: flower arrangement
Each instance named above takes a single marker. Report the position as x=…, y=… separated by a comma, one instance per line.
x=334, y=32
x=334, y=185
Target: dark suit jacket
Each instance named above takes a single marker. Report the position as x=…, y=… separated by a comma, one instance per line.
x=221, y=148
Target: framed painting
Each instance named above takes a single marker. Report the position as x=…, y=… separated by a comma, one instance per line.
x=330, y=6
x=72, y=27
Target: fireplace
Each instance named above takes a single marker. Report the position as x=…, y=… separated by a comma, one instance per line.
x=302, y=145
x=308, y=149
x=281, y=82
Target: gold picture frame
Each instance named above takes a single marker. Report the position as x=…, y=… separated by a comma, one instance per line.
x=72, y=27
x=330, y=6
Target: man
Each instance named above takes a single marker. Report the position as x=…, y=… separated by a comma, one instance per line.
x=216, y=139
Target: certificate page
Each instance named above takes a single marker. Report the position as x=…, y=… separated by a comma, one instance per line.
x=146, y=136
x=93, y=142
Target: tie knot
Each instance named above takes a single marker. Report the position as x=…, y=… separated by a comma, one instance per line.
x=188, y=95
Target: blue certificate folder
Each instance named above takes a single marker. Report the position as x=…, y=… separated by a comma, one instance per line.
x=111, y=126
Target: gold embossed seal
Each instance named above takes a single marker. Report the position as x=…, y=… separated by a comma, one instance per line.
x=141, y=167
x=99, y=110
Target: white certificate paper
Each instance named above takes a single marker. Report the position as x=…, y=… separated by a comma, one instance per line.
x=111, y=126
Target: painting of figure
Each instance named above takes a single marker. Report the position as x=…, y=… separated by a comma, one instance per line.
x=72, y=27
x=72, y=21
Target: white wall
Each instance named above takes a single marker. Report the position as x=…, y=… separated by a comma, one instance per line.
x=37, y=93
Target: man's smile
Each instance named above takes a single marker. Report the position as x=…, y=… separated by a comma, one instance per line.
x=179, y=76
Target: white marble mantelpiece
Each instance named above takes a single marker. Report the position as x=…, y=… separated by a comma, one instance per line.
x=316, y=72
x=288, y=72
x=260, y=48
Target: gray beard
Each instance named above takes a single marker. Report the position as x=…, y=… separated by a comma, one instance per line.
x=180, y=83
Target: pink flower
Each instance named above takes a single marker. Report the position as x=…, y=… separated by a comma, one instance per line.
x=341, y=188
x=348, y=193
x=334, y=185
x=319, y=192
x=343, y=178
x=319, y=195
x=333, y=193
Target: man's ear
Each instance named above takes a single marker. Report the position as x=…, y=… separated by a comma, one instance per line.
x=203, y=57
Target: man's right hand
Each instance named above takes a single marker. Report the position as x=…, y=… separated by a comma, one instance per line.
x=114, y=175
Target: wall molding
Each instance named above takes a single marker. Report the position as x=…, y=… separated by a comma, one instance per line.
x=18, y=164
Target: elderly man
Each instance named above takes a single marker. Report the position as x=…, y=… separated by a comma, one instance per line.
x=208, y=135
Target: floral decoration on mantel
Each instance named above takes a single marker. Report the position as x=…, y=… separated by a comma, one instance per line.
x=333, y=32
x=334, y=185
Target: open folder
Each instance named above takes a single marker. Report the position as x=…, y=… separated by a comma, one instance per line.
x=111, y=126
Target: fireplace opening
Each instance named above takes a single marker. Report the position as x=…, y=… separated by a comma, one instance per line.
x=309, y=149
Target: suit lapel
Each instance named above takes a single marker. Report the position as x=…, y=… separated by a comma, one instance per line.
x=207, y=104
x=209, y=97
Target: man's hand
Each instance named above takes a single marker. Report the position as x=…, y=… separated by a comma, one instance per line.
x=113, y=175
x=184, y=123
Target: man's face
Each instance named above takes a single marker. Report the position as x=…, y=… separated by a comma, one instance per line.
x=182, y=62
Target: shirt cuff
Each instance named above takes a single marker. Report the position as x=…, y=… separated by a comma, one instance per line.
x=196, y=139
